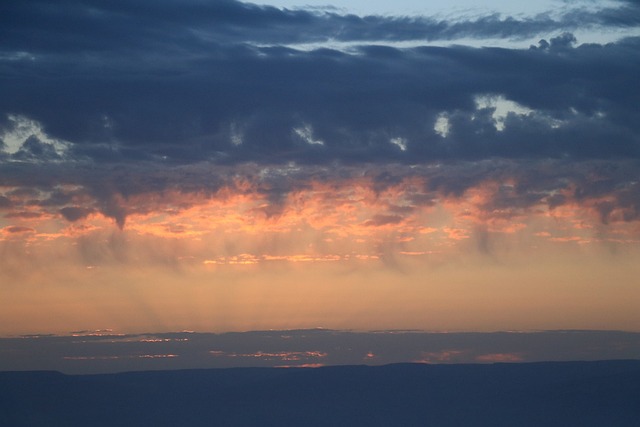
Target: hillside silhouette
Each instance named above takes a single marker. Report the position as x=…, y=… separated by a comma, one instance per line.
x=564, y=394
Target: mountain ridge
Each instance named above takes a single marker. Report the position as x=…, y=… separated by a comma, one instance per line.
x=500, y=394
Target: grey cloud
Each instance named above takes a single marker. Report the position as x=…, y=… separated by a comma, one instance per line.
x=380, y=220
x=355, y=104
x=34, y=149
x=183, y=26
x=167, y=81
x=74, y=213
x=15, y=229
x=526, y=185
x=24, y=215
x=5, y=202
x=167, y=95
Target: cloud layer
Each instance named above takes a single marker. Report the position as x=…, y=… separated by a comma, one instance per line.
x=83, y=352
x=133, y=88
x=185, y=82
x=201, y=135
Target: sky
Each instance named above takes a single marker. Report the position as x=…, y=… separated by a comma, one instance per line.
x=221, y=166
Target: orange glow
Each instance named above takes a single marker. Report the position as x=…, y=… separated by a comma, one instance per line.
x=337, y=253
x=346, y=215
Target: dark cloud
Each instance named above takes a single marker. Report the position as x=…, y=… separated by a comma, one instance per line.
x=32, y=149
x=5, y=202
x=24, y=215
x=153, y=96
x=15, y=229
x=183, y=26
x=167, y=81
x=355, y=104
x=380, y=220
x=74, y=213
x=609, y=187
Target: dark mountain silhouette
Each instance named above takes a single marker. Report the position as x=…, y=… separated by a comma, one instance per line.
x=563, y=394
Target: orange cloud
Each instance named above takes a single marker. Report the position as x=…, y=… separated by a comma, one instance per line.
x=250, y=220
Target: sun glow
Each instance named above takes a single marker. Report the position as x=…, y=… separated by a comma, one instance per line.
x=398, y=252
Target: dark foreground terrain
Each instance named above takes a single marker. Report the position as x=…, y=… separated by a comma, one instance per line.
x=529, y=394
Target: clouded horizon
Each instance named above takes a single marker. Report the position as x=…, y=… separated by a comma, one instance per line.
x=104, y=351
x=224, y=166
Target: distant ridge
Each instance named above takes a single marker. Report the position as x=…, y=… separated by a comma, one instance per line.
x=602, y=393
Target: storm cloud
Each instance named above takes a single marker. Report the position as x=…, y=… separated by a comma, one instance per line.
x=109, y=109
x=186, y=82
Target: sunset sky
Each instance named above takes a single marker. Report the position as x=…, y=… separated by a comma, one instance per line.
x=221, y=166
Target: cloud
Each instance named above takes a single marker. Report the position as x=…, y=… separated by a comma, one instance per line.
x=153, y=148
x=5, y=202
x=496, y=195
x=17, y=229
x=74, y=213
x=79, y=352
x=32, y=26
x=24, y=215
x=182, y=82
x=34, y=149
x=351, y=103
x=381, y=220
x=155, y=116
